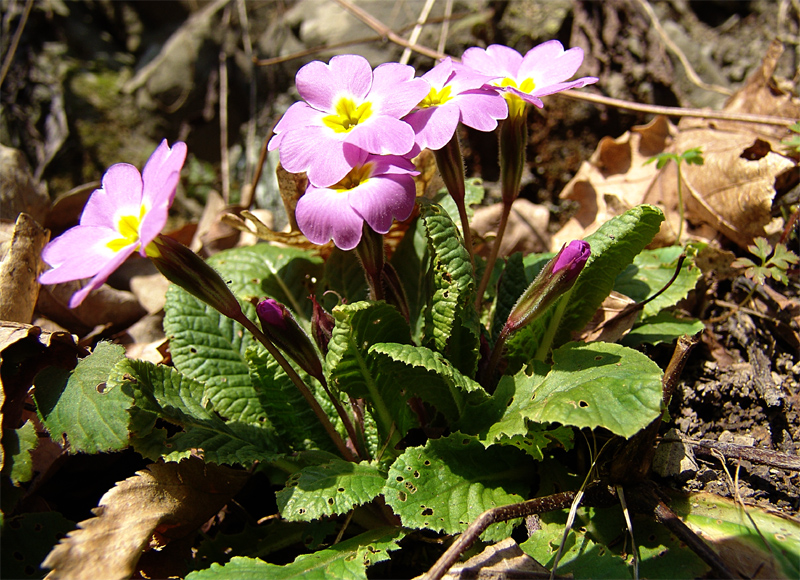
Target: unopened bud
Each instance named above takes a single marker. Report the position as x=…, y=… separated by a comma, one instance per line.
x=556, y=278
x=183, y=267
x=282, y=329
x=322, y=323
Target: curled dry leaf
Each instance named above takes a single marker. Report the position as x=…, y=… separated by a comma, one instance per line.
x=169, y=501
x=732, y=193
x=20, y=269
x=526, y=231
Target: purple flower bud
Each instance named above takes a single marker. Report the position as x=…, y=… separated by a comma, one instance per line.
x=573, y=256
x=282, y=329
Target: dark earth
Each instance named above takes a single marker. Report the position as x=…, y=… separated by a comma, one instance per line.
x=61, y=106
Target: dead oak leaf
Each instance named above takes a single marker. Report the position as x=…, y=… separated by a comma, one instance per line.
x=167, y=502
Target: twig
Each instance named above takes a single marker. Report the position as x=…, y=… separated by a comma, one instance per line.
x=423, y=17
x=225, y=168
x=448, y=12
x=754, y=454
x=251, y=123
x=690, y=72
x=15, y=41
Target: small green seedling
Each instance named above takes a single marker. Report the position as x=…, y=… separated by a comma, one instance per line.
x=693, y=156
x=792, y=143
x=774, y=263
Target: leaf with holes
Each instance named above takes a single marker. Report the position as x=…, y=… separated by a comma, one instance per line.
x=81, y=406
x=449, y=482
x=347, y=560
x=451, y=321
x=597, y=385
x=330, y=488
x=161, y=392
x=209, y=347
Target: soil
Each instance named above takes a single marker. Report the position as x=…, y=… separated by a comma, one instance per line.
x=61, y=106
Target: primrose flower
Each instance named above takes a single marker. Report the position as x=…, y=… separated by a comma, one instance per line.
x=543, y=70
x=456, y=94
x=348, y=108
x=122, y=217
x=378, y=189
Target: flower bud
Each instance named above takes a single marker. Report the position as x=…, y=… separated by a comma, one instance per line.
x=322, y=323
x=282, y=329
x=556, y=278
x=183, y=267
x=513, y=143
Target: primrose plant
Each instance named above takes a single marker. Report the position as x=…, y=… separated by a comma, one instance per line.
x=427, y=395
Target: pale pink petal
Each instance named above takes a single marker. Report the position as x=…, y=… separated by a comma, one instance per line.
x=438, y=76
x=558, y=87
x=390, y=165
x=382, y=136
x=78, y=253
x=319, y=84
x=100, y=278
x=395, y=91
x=527, y=97
x=434, y=126
x=160, y=176
x=324, y=214
x=298, y=115
x=120, y=194
x=382, y=199
x=481, y=109
x=554, y=66
x=494, y=60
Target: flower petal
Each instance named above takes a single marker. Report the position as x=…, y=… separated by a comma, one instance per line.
x=481, y=109
x=319, y=84
x=323, y=214
x=160, y=177
x=300, y=114
x=120, y=194
x=395, y=91
x=100, y=278
x=78, y=253
x=435, y=126
x=496, y=59
x=383, y=136
x=382, y=199
x=550, y=64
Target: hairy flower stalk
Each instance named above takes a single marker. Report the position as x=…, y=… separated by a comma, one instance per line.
x=556, y=278
x=451, y=166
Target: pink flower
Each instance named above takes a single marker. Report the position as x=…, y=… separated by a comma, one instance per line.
x=123, y=216
x=543, y=70
x=377, y=190
x=348, y=108
x=456, y=94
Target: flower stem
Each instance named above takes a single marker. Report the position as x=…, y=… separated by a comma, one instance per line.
x=304, y=390
x=451, y=166
x=487, y=273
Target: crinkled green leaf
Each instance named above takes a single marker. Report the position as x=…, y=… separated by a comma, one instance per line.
x=598, y=385
x=330, y=488
x=81, y=407
x=162, y=392
x=353, y=370
x=663, y=327
x=451, y=321
x=209, y=347
x=420, y=372
x=17, y=445
x=449, y=482
x=651, y=271
x=294, y=421
x=347, y=560
x=505, y=418
x=614, y=245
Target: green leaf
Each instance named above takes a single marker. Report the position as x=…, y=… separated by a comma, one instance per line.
x=331, y=488
x=294, y=421
x=209, y=347
x=449, y=482
x=513, y=282
x=344, y=276
x=347, y=560
x=663, y=327
x=17, y=447
x=27, y=539
x=353, y=370
x=80, y=405
x=420, y=372
x=505, y=419
x=473, y=195
x=451, y=321
x=598, y=385
x=161, y=392
x=651, y=271
x=614, y=246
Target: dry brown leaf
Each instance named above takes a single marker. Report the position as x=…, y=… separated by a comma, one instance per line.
x=615, y=317
x=19, y=191
x=502, y=560
x=526, y=231
x=20, y=269
x=167, y=502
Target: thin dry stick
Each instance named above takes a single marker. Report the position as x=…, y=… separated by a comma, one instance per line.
x=15, y=41
x=690, y=72
x=423, y=17
x=448, y=12
x=250, y=143
x=627, y=515
x=225, y=168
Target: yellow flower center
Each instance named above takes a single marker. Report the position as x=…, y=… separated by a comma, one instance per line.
x=128, y=228
x=435, y=98
x=358, y=175
x=348, y=115
x=516, y=106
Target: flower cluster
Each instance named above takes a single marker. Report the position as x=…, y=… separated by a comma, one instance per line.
x=356, y=128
